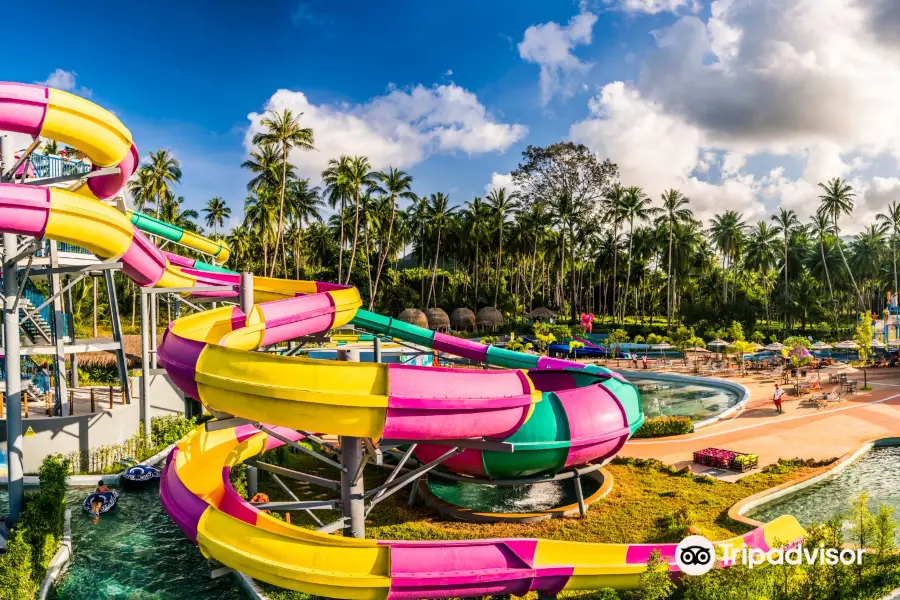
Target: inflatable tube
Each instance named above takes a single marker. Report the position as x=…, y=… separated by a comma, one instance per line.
x=140, y=475
x=109, y=500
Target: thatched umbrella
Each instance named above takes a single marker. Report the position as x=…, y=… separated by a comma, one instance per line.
x=462, y=319
x=489, y=318
x=414, y=316
x=437, y=319
x=541, y=314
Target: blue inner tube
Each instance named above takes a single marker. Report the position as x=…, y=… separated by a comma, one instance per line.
x=108, y=499
x=140, y=474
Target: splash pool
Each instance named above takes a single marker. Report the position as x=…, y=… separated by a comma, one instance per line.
x=688, y=397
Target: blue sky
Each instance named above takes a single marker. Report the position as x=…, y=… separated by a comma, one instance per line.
x=185, y=75
x=743, y=104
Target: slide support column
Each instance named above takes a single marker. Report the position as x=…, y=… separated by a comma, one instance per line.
x=352, y=502
x=145, y=361
x=14, y=442
x=246, y=293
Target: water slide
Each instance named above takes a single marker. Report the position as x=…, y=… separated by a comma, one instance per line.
x=556, y=413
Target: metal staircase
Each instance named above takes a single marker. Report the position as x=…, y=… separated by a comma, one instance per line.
x=39, y=328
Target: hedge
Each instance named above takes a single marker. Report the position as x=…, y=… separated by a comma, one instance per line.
x=36, y=536
x=664, y=426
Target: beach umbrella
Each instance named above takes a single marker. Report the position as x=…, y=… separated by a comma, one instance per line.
x=664, y=346
x=841, y=368
x=718, y=343
x=821, y=346
x=775, y=347
x=697, y=350
x=877, y=344
x=847, y=345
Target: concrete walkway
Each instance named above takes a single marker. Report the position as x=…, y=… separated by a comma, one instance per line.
x=802, y=431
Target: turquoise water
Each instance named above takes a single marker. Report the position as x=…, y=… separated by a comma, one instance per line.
x=533, y=497
x=136, y=553
x=875, y=473
x=676, y=398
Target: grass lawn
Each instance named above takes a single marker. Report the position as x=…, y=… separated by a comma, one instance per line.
x=649, y=503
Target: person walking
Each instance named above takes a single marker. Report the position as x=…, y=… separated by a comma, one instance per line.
x=776, y=397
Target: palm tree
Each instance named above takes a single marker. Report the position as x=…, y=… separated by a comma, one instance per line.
x=821, y=228
x=240, y=241
x=501, y=205
x=337, y=187
x=534, y=222
x=283, y=129
x=259, y=216
x=761, y=255
x=141, y=189
x=438, y=212
x=216, y=212
x=787, y=221
x=359, y=175
x=837, y=199
x=264, y=164
x=163, y=171
x=614, y=213
x=635, y=205
x=173, y=214
x=477, y=219
x=393, y=184
x=675, y=210
x=726, y=231
x=891, y=220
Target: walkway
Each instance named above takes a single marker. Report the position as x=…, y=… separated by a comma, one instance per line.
x=802, y=431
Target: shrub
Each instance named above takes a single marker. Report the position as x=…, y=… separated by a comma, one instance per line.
x=99, y=375
x=36, y=536
x=169, y=429
x=664, y=426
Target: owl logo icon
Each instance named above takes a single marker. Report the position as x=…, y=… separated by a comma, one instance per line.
x=695, y=555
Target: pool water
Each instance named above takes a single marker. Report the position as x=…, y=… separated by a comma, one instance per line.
x=534, y=497
x=134, y=552
x=677, y=398
x=875, y=473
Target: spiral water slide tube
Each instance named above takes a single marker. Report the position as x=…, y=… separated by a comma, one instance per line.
x=570, y=414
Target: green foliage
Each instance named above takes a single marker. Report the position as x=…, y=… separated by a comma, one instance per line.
x=664, y=426
x=655, y=583
x=98, y=375
x=619, y=336
x=638, y=339
x=169, y=429
x=36, y=536
x=515, y=344
x=736, y=331
x=488, y=340
x=797, y=340
x=863, y=336
x=573, y=345
x=654, y=338
x=239, y=480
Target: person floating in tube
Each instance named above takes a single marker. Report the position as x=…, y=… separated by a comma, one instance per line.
x=97, y=503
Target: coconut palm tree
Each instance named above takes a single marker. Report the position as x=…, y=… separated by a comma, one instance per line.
x=438, y=219
x=337, y=189
x=264, y=163
x=393, y=184
x=50, y=148
x=216, y=212
x=787, y=221
x=163, y=171
x=140, y=186
x=283, y=130
x=241, y=242
x=726, y=231
x=476, y=226
x=821, y=228
x=636, y=205
x=172, y=213
x=260, y=216
x=891, y=219
x=615, y=198
x=501, y=205
x=535, y=221
x=674, y=206
x=836, y=200
x=761, y=255
x=359, y=176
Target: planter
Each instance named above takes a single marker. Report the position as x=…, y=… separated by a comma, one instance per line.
x=726, y=459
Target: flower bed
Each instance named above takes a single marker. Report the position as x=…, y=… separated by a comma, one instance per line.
x=726, y=459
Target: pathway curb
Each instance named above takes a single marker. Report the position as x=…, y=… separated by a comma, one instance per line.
x=60, y=561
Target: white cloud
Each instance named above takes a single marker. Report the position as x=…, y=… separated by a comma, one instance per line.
x=65, y=80
x=550, y=45
x=812, y=80
x=399, y=129
x=654, y=6
x=498, y=181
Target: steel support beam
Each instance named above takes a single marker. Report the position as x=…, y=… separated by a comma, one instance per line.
x=116, y=322
x=330, y=484
x=14, y=446
x=10, y=174
x=352, y=487
x=290, y=493
x=58, y=325
x=294, y=444
x=145, y=363
x=75, y=176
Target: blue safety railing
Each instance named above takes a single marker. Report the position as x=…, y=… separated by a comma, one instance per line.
x=55, y=166
x=33, y=295
x=30, y=370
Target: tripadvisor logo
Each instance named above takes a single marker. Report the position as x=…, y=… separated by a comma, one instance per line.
x=696, y=555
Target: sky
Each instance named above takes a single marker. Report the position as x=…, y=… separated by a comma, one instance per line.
x=741, y=104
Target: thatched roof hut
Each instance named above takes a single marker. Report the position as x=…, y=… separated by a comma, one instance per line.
x=108, y=359
x=437, y=319
x=542, y=314
x=462, y=319
x=414, y=316
x=489, y=318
